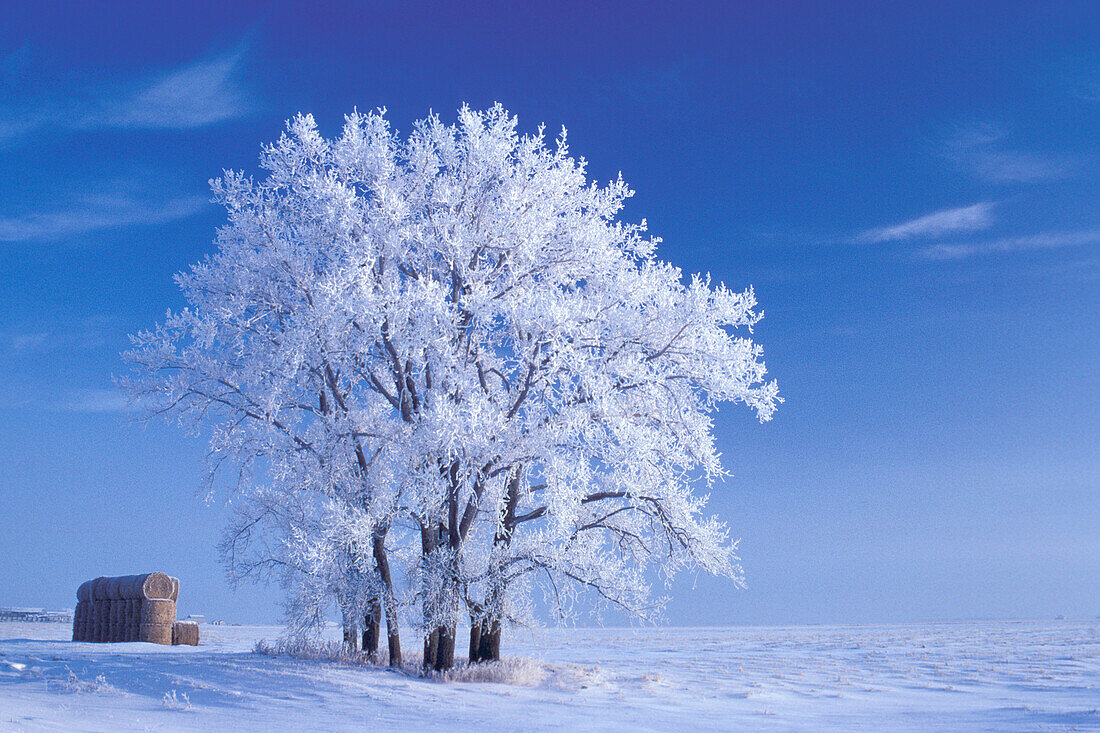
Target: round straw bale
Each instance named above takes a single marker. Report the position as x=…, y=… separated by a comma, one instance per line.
x=130, y=628
x=136, y=589
x=158, y=611
x=113, y=633
x=124, y=587
x=155, y=633
x=137, y=584
x=112, y=589
x=99, y=589
x=80, y=620
x=121, y=621
x=185, y=632
x=84, y=592
x=103, y=620
x=175, y=589
x=156, y=585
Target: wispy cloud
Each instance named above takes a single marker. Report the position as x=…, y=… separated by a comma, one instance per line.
x=962, y=219
x=1047, y=240
x=198, y=94
x=203, y=93
x=34, y=340
x=95, y=400
x=97, y=212
x=24, y=342
x=983, y=150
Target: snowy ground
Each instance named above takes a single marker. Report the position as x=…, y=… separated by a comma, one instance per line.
x=949, y=677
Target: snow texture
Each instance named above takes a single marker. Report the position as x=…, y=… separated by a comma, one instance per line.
x=1000, y=676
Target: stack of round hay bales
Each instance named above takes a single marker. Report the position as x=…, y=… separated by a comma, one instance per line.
x=83, y=611
x=89, y=613
x=91, y=622
x=158, y=609
x=116, y=620
x=131, y=591
x=185, y=632
x=101, y=605
x=133, y=618
x=157, y=617
x=126, y=608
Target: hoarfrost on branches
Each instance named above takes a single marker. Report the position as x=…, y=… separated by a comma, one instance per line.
x=448, y=348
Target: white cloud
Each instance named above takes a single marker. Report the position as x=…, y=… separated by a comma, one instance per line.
x=201, y=93
x=980, y=149
x=99, y=400
x=1047, y=240
x=32, y=341
x=22, y=342
x=93, y=213
x=961, y=219
x=1018, y=167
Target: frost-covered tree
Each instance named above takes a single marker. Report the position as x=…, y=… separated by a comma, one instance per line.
x=455, y=334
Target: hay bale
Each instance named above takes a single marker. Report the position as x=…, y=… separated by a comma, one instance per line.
x=103, y=620
x=101, y=606
x=155, y=633
x=153, y=585
x=80, y=620
x=115, y=622
x=146, y=585
x=132, y=618
x=91, y=618
x=115, y=607
x=185, y=632
x=120, y=620
x=135, y=586
x=158, y=611
x=124, y=586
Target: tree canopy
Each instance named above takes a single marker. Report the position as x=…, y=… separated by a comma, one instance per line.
x=448, y=349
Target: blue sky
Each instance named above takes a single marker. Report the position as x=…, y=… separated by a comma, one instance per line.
x=911, y=191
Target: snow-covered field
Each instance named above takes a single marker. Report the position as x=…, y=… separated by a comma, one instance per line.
x=947, y=677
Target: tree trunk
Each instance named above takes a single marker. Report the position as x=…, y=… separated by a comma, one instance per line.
x=431, y=649
x=485, y=639
x=475, y=638
x=489, y=647
x=439, y=645
x=439, y=649
x=488, y=629
x=429, y=538
x=393, y=636
x=389, y=597
x=445, y=655
x=372, y=623
x=351, y=637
